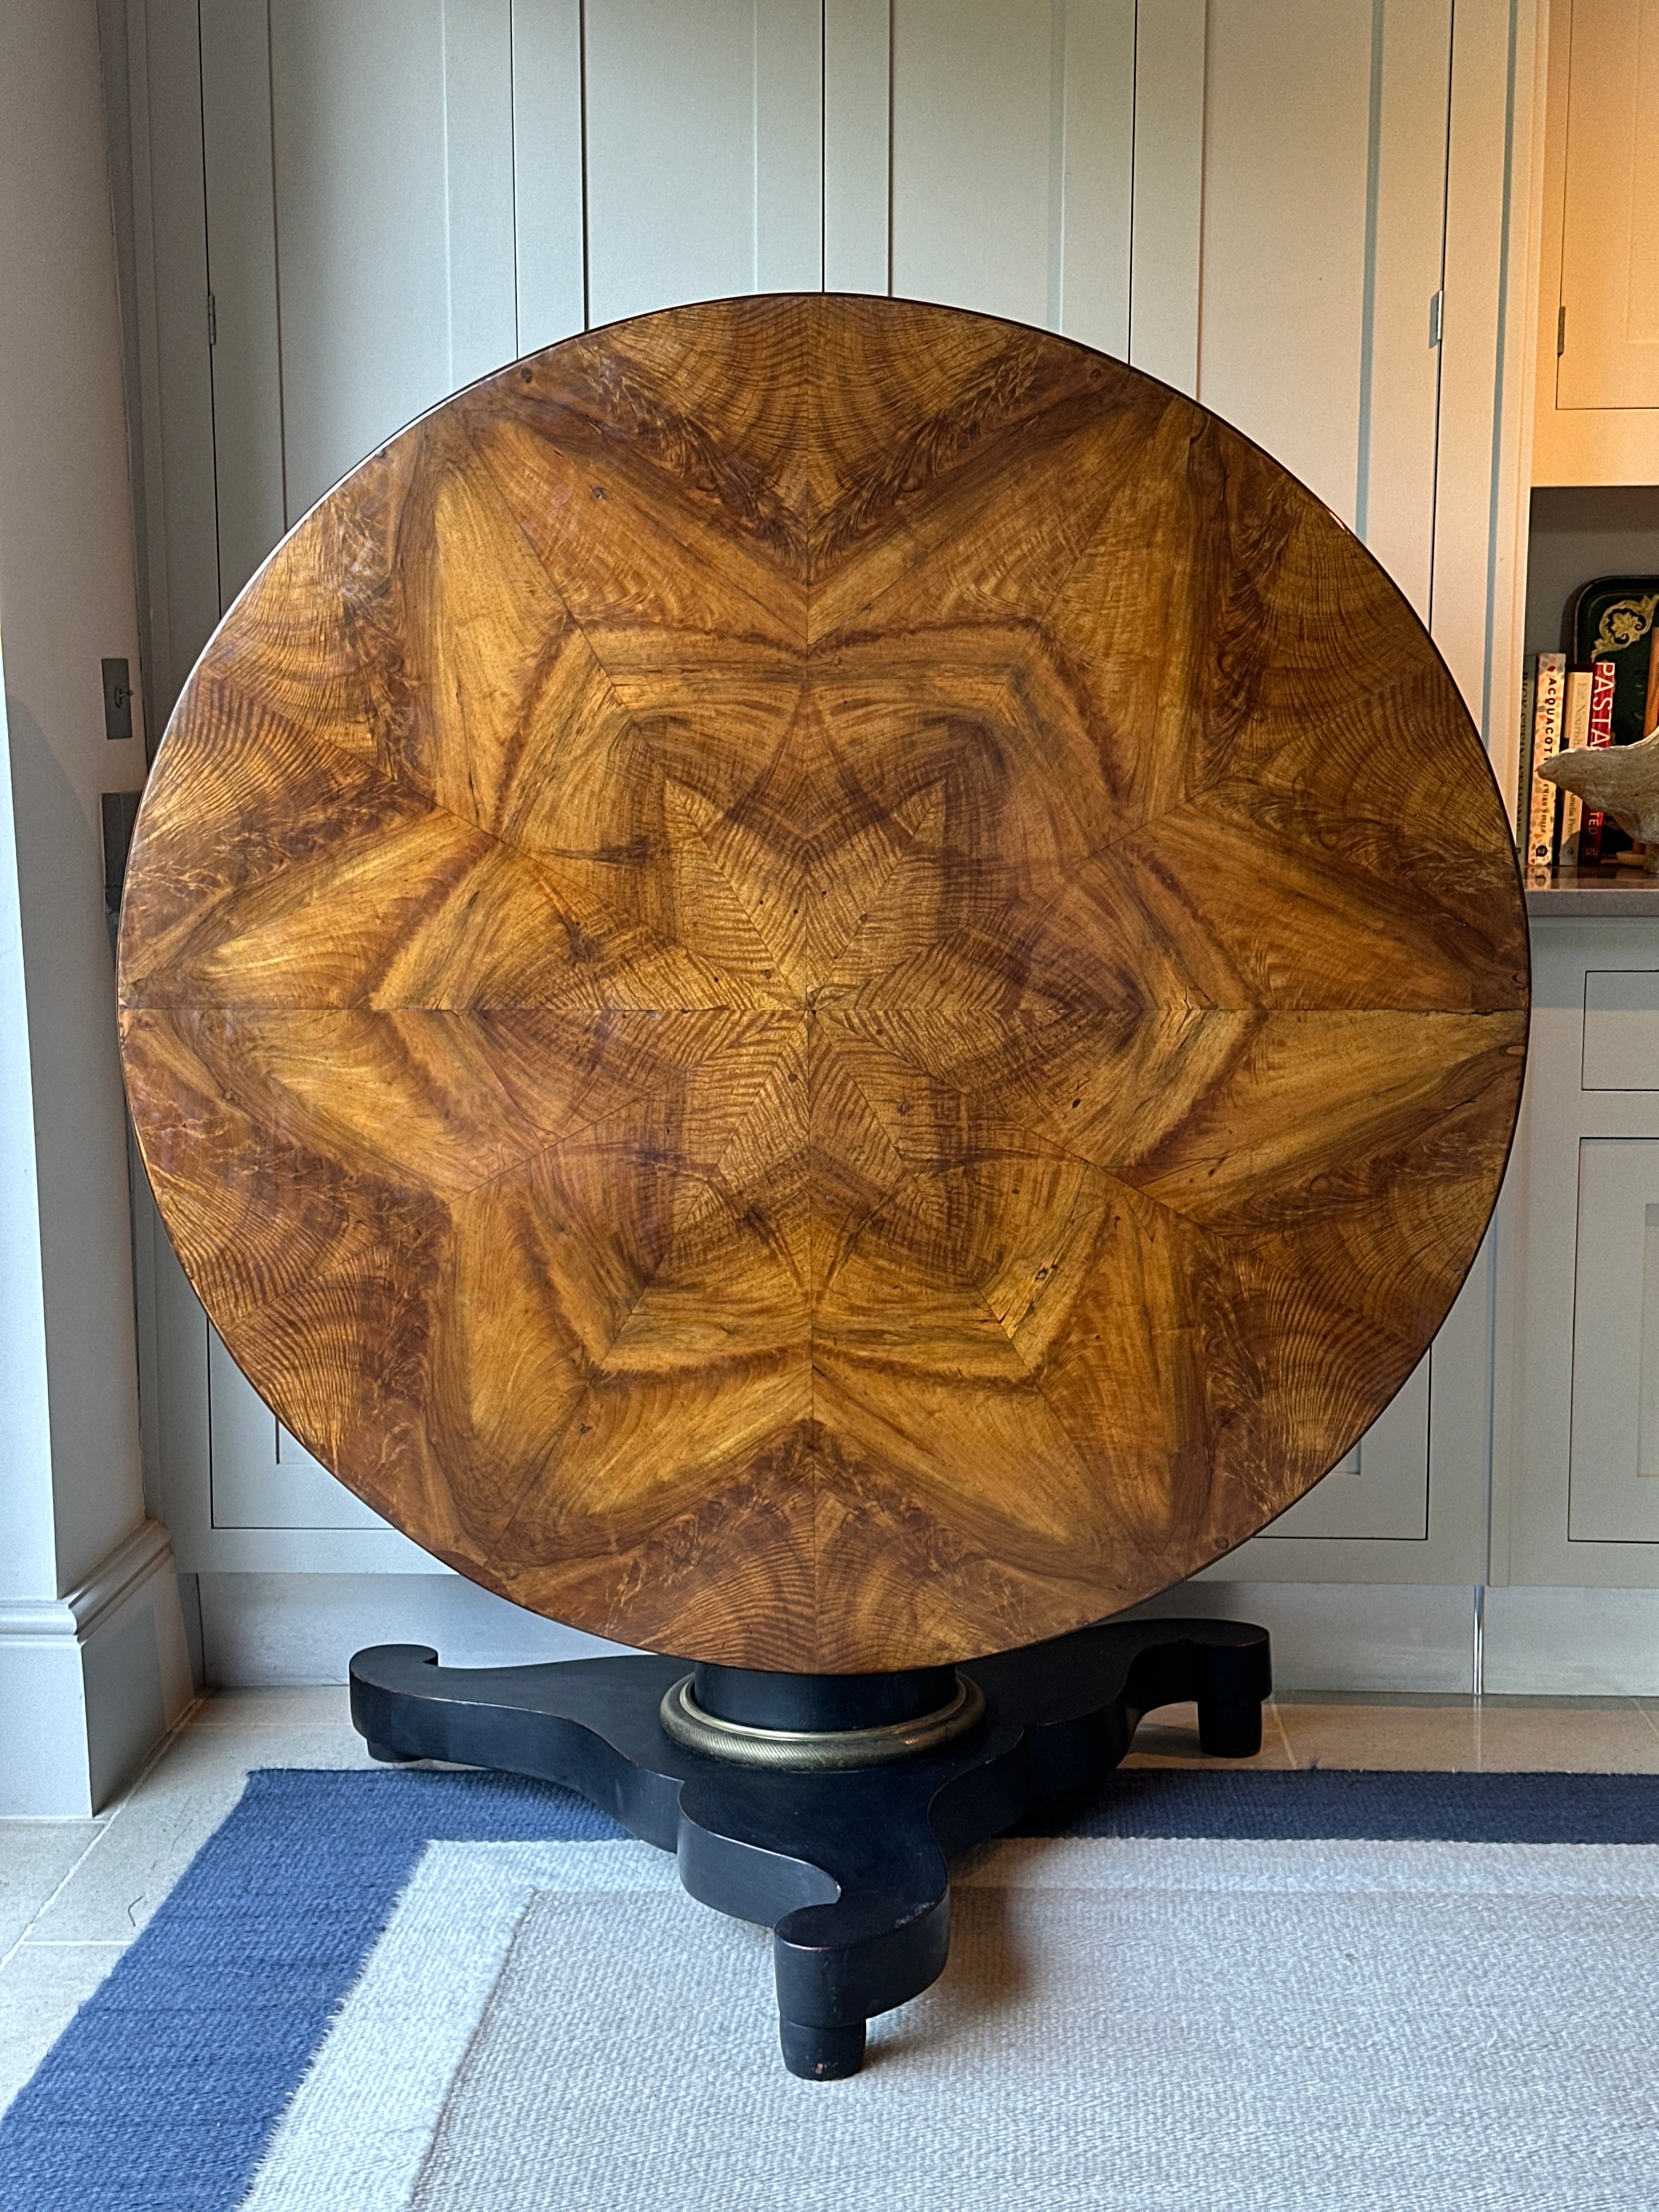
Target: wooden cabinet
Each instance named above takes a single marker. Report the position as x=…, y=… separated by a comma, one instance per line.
x=1598, y=337
x=1295, y=210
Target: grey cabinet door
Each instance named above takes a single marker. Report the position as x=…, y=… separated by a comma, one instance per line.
x=1140, y=177
x=359, y=158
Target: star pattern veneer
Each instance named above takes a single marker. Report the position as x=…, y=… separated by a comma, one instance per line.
x=824, y=984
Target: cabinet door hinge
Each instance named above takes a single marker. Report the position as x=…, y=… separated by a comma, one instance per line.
x=213, y=322
x=1560, y=332
x=1436, y=306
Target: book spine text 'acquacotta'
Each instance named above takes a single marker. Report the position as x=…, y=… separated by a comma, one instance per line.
x=1548, y=718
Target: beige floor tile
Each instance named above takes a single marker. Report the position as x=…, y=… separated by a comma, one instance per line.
x=156, y=1832
x=324, y=1706
x=35, y=1857
x=1557, y=1740
x=1437, y=1739
x=1169, y=1737
x=41, y=1985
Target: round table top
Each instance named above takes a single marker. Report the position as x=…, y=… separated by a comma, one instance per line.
x=823, y=983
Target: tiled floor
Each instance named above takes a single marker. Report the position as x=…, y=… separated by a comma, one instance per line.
x=73, y=1894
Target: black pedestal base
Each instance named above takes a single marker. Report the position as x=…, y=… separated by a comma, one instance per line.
x=847, y=1869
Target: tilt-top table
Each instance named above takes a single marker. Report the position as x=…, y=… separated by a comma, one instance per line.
x=830, y=987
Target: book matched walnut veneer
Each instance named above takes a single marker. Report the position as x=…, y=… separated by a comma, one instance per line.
x=824, y=984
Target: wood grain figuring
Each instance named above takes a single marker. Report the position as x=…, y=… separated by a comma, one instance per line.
x=824, y=984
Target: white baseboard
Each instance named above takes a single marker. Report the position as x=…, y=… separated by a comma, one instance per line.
x=276, y=1629
x=91, y=1681
x=1572, y=1643
x=1389, y=1637
x=290, y=1629
x=1351, y=1636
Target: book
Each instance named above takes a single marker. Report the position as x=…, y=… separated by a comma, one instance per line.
x=1523, y=752
x=1603, y=682
x=1612, y=619
x=1575, y=730
x=1547, y=716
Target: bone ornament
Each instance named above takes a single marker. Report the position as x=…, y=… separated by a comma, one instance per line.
x=1623, y=781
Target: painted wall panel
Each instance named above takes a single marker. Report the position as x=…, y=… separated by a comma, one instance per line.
x=1613, y=1485
x=171, y=225
x=1166, y=239
x=973, y=121
x=1288, y=124
x=688, y=109
x=1094, y=55
x=392, y=130
x=246, y=358
x=1013, y=160
x=857, y=151
x=788, y=139
x=1400, y=398
x=550, y=214
x=480, y=261
x=1467, y=540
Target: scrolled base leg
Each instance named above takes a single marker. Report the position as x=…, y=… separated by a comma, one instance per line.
x=1229, y=1731
x=822, y=2054
x=388, y=1757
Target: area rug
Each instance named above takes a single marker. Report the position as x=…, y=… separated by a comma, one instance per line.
x=1216, y=1992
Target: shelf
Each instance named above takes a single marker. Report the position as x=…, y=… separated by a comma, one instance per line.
x=1608, y=892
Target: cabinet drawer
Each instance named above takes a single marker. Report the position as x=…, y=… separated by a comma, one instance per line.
x=1614, y=1474
x=261, y=1476
x=1381, y=1487
x=1621, y=1028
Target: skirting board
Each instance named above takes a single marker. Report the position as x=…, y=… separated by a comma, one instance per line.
x=1390, y=1637
x=1572, y=1643
x=291, y=1629
x=1349, y=1636
x=90, y=1681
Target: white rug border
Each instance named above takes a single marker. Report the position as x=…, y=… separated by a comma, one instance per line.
x=327, y=2151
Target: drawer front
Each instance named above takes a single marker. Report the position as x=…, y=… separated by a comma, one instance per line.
x=1613, y=1475
x=261, y=1476
x=1621, y=1028
x=1381, y=1488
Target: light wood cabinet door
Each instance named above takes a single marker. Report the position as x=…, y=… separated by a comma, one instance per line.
x=1596, y=417
x=1609, y=295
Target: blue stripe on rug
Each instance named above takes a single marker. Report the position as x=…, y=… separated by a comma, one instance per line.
x=163, y=2093
x=1331, y=1803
